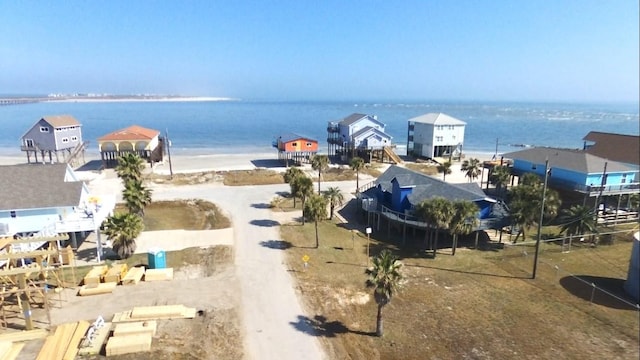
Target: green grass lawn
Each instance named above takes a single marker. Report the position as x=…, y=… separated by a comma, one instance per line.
x=476, y=304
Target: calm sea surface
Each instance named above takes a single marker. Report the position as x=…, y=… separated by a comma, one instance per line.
x=247, y=127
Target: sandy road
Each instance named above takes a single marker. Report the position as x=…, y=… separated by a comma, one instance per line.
x=269, y=303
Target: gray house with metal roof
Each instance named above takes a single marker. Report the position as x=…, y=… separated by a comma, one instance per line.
x=59, y=135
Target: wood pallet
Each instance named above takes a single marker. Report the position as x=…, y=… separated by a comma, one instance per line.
x=158, y=274
x=145, y=313
x=133, y=276
x=97, y=289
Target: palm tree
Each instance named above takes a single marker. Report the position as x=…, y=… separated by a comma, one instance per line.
x=464, y=220
x=320, y=163
x=384, y=278
x=525, y=201
x=302, y=187
x=136, y=196
x=471, y=168
x=577, y=220
x=335, y=198
x=436, y=212
x=123, y=229
x=500, y=177
x=292, y=173
x=130, y=166
x=315, y=209
x=356, y=164
x=445, y=169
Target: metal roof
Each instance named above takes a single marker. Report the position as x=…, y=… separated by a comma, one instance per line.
x=60, y=121
x=354, y=118
x=288, y=137
x=569, y=159
x=427, y=187
x=367, y=129
x=618, y=147
x=37, y=186
x=437, y=119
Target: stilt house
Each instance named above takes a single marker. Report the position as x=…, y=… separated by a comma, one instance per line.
x=147, y=143
x=56, y=138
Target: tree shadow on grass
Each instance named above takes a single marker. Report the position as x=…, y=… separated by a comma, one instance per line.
x=582, y=286
x=264, y=223
x=319, y=326
x=276, y=244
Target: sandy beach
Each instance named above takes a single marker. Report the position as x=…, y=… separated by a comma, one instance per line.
x=229, y=162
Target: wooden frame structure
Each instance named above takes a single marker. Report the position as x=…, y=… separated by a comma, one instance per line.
x=22, y=284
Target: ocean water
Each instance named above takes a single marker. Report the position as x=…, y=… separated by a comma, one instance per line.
x=249, y=127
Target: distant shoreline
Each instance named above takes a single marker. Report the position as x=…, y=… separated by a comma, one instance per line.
x=114, y=98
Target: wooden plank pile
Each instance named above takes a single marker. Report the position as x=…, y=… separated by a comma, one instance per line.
x=147, y=313
x=63, y=344
x=158, y=274
x=119, y=345
x=133, y=276
x=115, y=274
x=97, y=289
x=11, y=343
x=94, y=276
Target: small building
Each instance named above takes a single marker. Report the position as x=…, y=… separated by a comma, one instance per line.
x=57, y=138
x=359, y=135
x=617, y=147
x=147, y=143
x=435, y=135
x=294, y=147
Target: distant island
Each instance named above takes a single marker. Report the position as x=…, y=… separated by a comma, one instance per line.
x=13, y=100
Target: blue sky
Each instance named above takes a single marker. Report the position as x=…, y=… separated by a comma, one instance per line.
x=325, y=50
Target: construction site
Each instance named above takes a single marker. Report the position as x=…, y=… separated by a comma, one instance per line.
x=54, y=306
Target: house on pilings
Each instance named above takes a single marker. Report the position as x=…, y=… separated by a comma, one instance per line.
x=360, y=135
x=56, y=138
x=295, y=148
x=147, y=143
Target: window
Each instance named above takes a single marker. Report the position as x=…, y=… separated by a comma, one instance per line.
x=450, y=127
x=74, y=138
x=65, y=140
x=439, y=138
x=13, y=213
x=44, y=129
x=294, y=144
x=309, y=144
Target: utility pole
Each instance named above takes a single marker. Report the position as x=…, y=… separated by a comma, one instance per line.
x=544, y=195
x=169, y=154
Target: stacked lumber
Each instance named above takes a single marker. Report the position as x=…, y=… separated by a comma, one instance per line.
x=133, y=276
x=119, y=345
x=97, y=289
x=146, y=313
x=115, y=274
x=158, y=274
x=10, y=350
x=95, y=275
x=63, y=344
x=28, y=335
x=93, y=342
x=138, y=327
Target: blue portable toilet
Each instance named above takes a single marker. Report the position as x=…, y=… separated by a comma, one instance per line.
x=157, y=259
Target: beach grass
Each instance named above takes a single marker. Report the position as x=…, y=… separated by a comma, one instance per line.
x=182, y=214
x=476, y=304
x=252, y=177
